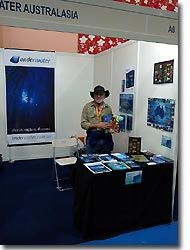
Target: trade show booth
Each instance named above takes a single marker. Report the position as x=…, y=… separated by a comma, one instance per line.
x=43, y=93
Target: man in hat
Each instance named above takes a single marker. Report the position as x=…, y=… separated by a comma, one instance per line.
x=99, y=139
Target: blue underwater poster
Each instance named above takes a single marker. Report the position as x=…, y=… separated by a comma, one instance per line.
x=130, y=75
x=161, y=113
x=126, y=103
x=29, y=97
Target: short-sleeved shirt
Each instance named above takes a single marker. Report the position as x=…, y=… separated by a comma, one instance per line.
x=89, y=114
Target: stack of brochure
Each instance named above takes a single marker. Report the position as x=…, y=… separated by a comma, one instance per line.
x=166, y=159
x=160, y=159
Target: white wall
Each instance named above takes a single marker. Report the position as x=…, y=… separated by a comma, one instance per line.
x=150, y=53
x=141, y=56
x=73, y=82
x=117, y=60
x=124, y=57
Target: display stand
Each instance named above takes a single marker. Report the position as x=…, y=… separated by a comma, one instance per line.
x=10, y=155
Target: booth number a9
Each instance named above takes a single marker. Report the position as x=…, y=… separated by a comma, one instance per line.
x=171, y=29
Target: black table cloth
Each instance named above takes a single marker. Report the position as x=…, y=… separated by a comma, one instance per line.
x=104, y=205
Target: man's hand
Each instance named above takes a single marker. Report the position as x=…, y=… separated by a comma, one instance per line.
x=103, y=125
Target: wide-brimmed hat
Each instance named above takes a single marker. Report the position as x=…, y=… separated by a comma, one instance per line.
x=99, y=90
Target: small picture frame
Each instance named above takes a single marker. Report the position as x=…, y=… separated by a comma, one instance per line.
x=134, y=146
x=163, y=72
x=130, y=78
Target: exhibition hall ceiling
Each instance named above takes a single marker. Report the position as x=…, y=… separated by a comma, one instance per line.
x=80, y=43
x=90, y=44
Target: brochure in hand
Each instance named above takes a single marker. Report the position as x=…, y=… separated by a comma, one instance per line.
x=97, y=167
x=119, y=165
x=114, y=121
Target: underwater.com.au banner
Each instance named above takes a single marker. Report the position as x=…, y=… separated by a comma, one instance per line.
x=29, y=96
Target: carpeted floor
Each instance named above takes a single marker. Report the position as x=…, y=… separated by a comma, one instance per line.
x=34, y=212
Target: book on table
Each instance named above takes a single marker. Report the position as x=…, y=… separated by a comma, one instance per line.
x=86, y=159
x=132, y=164
x=164, y=158
x=148, y=154
x=97, y=167
x=159, y=159
x=140, y=158
x=156, y=160
x=106, y=157
x=120, y=156
x=119, y=165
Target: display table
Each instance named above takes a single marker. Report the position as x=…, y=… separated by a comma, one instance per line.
x=104, y=205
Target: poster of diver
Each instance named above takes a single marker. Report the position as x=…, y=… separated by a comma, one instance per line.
x=30, y=104
x=126, y=103
x=161, y=113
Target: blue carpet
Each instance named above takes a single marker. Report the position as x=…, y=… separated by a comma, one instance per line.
x=163, y=235
x=34, y=212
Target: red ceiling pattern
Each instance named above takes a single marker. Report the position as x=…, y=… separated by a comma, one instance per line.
x=90, y=44
x=169, y=5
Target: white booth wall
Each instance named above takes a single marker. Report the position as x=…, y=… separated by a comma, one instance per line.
x=140, y=56
x=150, y=53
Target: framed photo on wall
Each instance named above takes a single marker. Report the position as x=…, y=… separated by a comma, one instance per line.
x=129, y=122
x=134, y=146
x=161, y=113
x=166, y=141
x=130, y=78
x=163, y=72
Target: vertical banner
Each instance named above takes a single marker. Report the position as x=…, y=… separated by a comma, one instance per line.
x=29, y=96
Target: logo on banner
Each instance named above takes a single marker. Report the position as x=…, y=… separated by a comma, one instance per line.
x=14, y=59
x=17, y=59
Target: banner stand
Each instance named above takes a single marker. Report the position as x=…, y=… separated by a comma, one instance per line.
x=10, y=156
